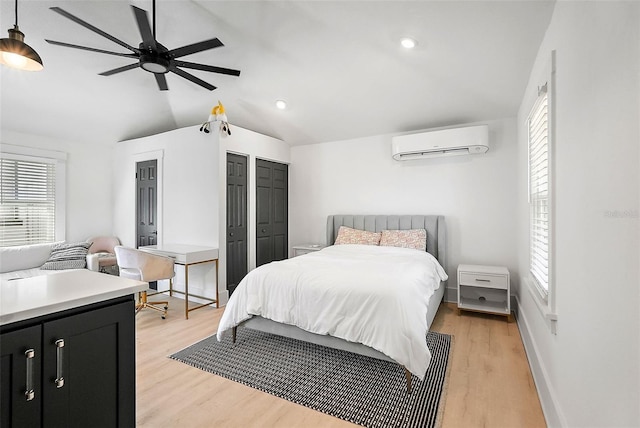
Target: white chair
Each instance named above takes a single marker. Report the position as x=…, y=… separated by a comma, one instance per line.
x=142, y=266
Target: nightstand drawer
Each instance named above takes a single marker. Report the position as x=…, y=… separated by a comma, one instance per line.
x=484, y=280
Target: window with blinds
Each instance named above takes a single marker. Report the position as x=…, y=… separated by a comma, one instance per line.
x=539, y=191
x=27, y=201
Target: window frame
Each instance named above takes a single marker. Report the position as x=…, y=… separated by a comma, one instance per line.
x=545, y=300
x=534, y=198
x=58, y=159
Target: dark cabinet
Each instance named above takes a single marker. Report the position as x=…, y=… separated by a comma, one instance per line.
x=20, y=379
x=82, y=372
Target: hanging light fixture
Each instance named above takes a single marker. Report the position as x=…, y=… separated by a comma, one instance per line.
x=15, y=53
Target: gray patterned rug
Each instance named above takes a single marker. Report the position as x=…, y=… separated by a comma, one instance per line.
x=358, y=389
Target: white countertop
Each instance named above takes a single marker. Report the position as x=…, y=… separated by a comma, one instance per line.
x=27, y=298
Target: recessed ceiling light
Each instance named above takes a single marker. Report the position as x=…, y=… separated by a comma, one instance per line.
x=281, y=104
x=408, y=43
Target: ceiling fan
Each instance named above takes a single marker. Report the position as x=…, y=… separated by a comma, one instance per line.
x=151, y=55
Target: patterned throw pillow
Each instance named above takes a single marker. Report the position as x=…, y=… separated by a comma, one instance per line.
x=347, y=235
x=414, y=238
x=67, y=256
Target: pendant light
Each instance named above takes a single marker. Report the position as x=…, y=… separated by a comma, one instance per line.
x=15, y=53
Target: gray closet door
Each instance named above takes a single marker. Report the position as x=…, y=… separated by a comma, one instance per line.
x=236, y=220
x=271, y=211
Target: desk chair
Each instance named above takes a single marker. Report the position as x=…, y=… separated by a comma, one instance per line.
x=142, y=266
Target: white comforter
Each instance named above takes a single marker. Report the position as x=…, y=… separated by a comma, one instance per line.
x=373, y=295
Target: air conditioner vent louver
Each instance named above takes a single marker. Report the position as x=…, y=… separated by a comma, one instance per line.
x=441, y=142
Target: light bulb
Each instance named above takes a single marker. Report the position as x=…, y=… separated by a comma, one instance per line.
x=408, y=43
x=13, y=60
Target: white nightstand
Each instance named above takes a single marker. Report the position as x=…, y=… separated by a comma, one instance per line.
x=484, y=289
x=301, y=249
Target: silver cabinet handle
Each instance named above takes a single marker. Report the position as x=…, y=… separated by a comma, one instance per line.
x=482, y=280
x=59, y=360
x=30, y=393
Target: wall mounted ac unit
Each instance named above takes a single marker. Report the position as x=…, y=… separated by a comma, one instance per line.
x=468, y=140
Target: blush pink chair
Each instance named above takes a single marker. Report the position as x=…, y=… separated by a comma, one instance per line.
x=101, y=256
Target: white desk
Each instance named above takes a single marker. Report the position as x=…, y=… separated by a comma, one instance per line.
x=188, y=255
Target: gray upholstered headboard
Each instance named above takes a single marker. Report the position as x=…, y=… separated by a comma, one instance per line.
x=434, y=224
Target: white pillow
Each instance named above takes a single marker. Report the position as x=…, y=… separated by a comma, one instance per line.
x=67, y=256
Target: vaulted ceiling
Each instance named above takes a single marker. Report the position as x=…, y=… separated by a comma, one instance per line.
x=338, y=64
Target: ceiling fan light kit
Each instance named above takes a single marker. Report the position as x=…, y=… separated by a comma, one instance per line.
x=15, y=53
x=151, y=55
x=154, y=63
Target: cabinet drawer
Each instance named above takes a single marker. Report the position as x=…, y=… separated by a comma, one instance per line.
x=483, y=280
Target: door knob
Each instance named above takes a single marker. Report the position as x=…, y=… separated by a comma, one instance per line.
x=231, y=234
x=264, y=230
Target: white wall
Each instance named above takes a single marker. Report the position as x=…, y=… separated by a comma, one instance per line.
x=88, y=187
x=192, y=203
x=476, y=193
x=187, y=195
x=188, y=172
x=588, y=373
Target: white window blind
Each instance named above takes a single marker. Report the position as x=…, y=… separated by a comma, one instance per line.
x=539, y=191
x=27, y=201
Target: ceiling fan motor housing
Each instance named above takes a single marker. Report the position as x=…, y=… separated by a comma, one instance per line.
x=153, y=61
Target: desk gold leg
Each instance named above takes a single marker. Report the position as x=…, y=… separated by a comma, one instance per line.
x=186, y=291
x=217, y=285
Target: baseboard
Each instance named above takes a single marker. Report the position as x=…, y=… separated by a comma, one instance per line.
x=451, y=295
x=546, y=393
x=223, y=296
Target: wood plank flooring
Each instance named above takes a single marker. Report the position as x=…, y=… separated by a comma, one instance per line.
x=490, y=384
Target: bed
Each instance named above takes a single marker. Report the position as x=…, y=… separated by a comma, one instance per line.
x=247, y=308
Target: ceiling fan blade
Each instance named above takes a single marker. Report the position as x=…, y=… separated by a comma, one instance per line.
x=192, y=78
x=145, y=28
x=196, y=47
x=162, y=82
x=69, y=45
x=121, y=69
x=92, y=28
x=205, y=67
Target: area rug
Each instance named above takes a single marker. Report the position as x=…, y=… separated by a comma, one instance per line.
x=358, y=389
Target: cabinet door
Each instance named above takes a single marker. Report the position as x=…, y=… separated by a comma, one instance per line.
x=20, y=373
x=90, y=380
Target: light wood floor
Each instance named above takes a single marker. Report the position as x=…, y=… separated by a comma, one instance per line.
x=490, y=384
